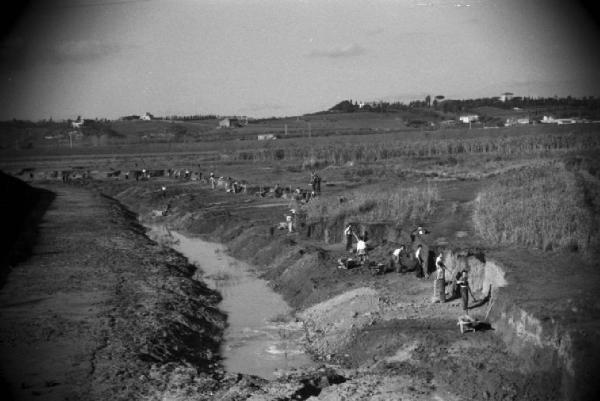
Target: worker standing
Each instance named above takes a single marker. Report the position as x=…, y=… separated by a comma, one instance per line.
x=465, y=289
x=439, y=285
x=419, y=257
x=213, y=181
x=348, y=232
x=361, y=249
x=395, y=261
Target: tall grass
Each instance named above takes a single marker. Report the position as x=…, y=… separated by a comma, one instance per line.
x=339, y=153
x=541, y=208
x=399, y=205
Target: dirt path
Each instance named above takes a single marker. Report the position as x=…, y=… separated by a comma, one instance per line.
x=96, y=304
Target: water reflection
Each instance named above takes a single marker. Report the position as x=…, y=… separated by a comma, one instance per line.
x=262, y=336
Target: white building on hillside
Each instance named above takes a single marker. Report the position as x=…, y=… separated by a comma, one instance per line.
x=77, y=123
x=147, y=117
x=468, y=118
x=266, y=137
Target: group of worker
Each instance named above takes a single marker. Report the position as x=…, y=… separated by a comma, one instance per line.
x=460, y=283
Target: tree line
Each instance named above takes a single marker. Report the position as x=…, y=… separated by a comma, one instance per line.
x=588, y=105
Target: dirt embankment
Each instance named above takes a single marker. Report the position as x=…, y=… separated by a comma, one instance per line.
x=23, y=207
x=382, y=332
x=98, y=311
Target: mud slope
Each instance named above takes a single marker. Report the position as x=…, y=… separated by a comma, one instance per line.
x=23, y=206
x=98, y=311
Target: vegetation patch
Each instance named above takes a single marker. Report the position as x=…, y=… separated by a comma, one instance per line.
x=396, y=204
x=537, y=207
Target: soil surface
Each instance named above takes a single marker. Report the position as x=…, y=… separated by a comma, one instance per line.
x=381, y=333
x=97, y=308
x=116, y=316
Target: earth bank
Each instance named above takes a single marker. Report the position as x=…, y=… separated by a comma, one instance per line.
x=97, y=311
x=378, y=337
x=349, y=311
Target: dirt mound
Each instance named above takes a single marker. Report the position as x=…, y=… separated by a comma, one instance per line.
x=445, y=364
x=330, y=325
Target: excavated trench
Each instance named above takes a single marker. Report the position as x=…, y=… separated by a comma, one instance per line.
x=541, y=344
x=261, y=338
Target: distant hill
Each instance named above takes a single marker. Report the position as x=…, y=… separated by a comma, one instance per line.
x=492, y=107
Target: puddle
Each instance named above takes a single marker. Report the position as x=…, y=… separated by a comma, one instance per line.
x=260, y=338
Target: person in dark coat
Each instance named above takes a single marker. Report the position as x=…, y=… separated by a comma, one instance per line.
x=465, y=290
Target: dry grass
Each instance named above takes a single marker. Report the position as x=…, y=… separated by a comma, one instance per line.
x=541, y=208
x=340, y=152
x=398, y=205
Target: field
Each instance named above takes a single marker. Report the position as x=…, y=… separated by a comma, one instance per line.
x=514, y=204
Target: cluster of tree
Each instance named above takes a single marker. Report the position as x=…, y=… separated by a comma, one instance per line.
x=99, y=128
x=348, y=106
x=541, y=104
x=130, y=118
x=587, y=104
x=195, y=117
x=34, y=124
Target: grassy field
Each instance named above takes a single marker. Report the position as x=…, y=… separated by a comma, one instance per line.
x=375, y=156
x=396, y=205
x=544, y=208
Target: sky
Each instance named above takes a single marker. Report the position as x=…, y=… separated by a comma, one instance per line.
x=261, y=58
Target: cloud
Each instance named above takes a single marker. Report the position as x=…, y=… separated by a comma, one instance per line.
x=79, y=4
x=19, y=53
x=80, y=51
x=352, y=50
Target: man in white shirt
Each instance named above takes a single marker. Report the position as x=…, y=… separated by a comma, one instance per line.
x=419, y=257
x=395, y=262
x=361, y=249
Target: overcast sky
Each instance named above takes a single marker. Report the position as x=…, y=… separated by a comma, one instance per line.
x=110, y=58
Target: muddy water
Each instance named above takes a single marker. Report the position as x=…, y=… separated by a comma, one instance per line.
x=261, y=337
